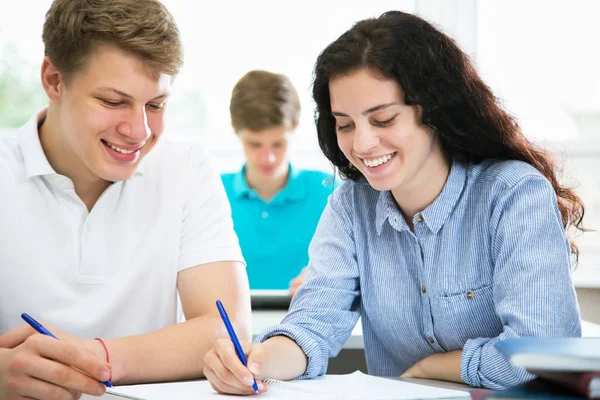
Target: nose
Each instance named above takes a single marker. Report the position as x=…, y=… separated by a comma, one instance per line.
x=267, y=156
x=136, y=126
x=365, y=140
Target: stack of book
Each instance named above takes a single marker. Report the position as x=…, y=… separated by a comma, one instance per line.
x=565, y=368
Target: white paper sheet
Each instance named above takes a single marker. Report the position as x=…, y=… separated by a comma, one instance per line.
x=353, y=386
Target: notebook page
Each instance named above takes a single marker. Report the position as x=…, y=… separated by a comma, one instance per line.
x=357, y=386
x=353, y=386
x=197, y=390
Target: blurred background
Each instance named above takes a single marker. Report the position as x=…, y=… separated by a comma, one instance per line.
x=540, y=57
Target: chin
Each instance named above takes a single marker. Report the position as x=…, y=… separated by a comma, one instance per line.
x=382, y=185
x=117, y=174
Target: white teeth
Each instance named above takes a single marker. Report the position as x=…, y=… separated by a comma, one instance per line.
x=377, y=161
x=120, y=150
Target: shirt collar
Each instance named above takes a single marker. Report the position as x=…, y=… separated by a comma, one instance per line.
x=387, y=208
x=294, y=189
x=436, y=214
x=36, y=163
x=35, y=160
x=240, y=186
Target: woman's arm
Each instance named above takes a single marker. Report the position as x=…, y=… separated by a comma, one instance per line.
x=532, y=288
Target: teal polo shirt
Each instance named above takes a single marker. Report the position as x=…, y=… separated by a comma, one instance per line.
x=274, y=236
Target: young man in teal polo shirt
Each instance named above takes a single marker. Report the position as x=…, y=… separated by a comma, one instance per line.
x=275, y=206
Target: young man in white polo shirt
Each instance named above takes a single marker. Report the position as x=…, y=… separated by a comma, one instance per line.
x=103, y=222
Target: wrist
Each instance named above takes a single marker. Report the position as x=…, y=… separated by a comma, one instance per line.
x=96, y=347
x=422, y=367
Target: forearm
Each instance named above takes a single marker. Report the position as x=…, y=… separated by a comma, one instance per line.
x=285, y=360
x=172, y=353
x=443, y=366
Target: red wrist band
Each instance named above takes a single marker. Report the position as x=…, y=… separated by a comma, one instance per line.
x=106, y=351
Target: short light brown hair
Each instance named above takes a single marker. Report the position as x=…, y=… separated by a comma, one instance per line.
x=262, y=100
x=143, y=28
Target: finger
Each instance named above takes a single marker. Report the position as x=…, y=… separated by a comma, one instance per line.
x=36, y=389
x=231, y=363
x=214, y=362
x=70, y=355
x=17, y=336
x=256, y=358
x=222, y=387
x=57, y=374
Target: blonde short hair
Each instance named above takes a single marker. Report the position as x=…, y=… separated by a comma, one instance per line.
x=262, y=100
x=143, y=28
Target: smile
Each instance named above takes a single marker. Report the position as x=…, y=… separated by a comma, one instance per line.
x=120, y=149
x=373, y=162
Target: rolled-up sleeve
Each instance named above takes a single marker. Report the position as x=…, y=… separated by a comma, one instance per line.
x=532, y=287
x=326, y=307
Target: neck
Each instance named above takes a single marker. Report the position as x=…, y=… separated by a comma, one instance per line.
x=66, y=162
x=423, y=189
x=267, y=187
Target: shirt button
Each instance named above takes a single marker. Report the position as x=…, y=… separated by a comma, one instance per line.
x=58, y=180
x=430, y=339
x=420, y=218
x=264, y=214
x=423, y=289
x=470, y=295
x=415, y=241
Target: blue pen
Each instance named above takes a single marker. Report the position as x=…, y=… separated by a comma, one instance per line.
x=40, y=329
x=234, y=339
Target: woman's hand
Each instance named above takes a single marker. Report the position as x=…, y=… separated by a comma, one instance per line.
x=441, y=366
x=415, y=371
x=227, y=374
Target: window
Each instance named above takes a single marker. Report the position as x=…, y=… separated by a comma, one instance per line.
x=223, y=41
x=541, y=59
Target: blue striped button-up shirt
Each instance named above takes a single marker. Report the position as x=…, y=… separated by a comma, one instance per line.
x=487, y=260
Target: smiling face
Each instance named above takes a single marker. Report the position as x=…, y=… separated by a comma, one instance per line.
x=109, y=116
x=380, y=135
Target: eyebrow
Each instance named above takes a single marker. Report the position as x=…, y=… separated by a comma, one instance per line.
x=369, y=111
x=128, y=96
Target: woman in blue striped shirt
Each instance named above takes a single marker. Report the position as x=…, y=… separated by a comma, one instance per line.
x=448, y=235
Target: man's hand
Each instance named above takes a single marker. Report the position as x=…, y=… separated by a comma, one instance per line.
x=40, y=367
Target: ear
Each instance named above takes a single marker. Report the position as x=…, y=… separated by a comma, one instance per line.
x=52, y=80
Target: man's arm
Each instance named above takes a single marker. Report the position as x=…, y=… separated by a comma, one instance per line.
x=177, y=351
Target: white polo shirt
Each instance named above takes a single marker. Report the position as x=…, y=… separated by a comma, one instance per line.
x=111, y=272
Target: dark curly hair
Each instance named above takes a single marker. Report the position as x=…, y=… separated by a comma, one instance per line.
x=437, y=75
